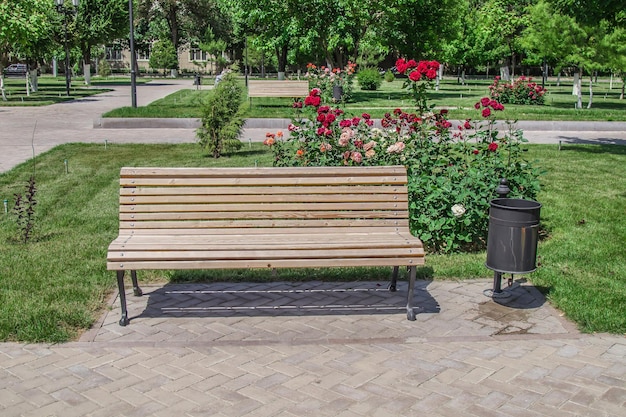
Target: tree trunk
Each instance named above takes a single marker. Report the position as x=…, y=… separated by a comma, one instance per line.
x=621, y=96
x=281, y=54
x=579, y=88
x=590, y=91
x=576, y=84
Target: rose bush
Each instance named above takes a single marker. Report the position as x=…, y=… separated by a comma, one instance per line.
x=326, y=78
x=453, y=171
x=521, y=91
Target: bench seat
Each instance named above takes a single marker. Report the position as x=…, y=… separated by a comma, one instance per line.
x=231, y=218
x=276, y=88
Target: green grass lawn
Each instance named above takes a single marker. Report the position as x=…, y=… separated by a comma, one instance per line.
x=459, y=99
x=55, y=286
x=51, y=90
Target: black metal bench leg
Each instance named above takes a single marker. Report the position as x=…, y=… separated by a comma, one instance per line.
x=394, y=279
x=410, y=313
x=136, y=290
x=120, y=285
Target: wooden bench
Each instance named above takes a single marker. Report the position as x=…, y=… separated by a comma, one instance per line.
x=276, y=88
x=227, y=218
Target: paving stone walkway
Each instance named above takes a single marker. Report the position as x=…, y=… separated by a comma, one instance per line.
x=322, y=349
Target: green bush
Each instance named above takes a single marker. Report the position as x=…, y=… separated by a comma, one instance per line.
x=222, y=117
x=389, y=77
x=369, y=79
x=104, y=68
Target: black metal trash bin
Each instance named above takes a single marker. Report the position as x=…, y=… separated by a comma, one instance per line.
x=512, y=235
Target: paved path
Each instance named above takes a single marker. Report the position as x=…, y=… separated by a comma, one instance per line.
x=28, y=131
x=293, y=349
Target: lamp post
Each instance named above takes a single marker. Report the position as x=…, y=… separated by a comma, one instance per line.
x=66, y=11
x=133, y=58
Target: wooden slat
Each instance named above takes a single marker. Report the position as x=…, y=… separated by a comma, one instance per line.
x=138, y=207
x=154, y=203
x=260, y=181
x=269, y=255
x=244, y=264
x=277, y=172
x=262, y=215
x=233, y=192
x=263, y=223
x=249, y=242
x=352, y=230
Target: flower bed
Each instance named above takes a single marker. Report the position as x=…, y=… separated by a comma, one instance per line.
x=453, y=171
x=326, y=78
x=521, y=91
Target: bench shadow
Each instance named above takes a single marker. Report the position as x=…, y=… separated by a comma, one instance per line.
x=283, y=299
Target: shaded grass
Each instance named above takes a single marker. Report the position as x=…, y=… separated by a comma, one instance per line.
x=51, y=90
x=54, y=287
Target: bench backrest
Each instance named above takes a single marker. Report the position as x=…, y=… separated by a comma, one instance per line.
x=275, y=88
x=312, y=199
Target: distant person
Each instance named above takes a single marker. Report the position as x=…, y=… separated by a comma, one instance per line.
x=221, y=75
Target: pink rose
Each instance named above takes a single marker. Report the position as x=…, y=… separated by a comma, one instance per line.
x=356, y=157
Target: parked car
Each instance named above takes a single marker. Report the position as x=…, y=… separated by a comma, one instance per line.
x=16, y=70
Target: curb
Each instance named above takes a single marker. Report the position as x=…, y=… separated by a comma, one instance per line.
x=261, y=123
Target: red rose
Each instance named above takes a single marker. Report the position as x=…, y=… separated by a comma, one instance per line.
x=477, y=106
x=320, y=131
x=431, y=74
x=345, y=123
x=315, y=101
x=475, y=151
x=366, y=116
x=486, y=112
x=467, y=125
x=355, y=121
x=493, y=146
x=412, y=63
x=401, y=65
x=422, y=67
x=321, y=118
x=323, y=109
x=330, y=118
x=415, y=75
x=485, y=101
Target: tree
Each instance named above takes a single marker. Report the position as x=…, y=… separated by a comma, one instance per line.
x=163, y=56
x=548, y=37
x=419, y=28
x=222, y=117
x=100, y=22
x=274, y=22
x=591, y=12
x=614, y=46
x=23, y=25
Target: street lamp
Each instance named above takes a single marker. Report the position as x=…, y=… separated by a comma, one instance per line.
x=133, y=58
x=66, y=11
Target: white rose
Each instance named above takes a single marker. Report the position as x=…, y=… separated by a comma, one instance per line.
x=458, y=210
